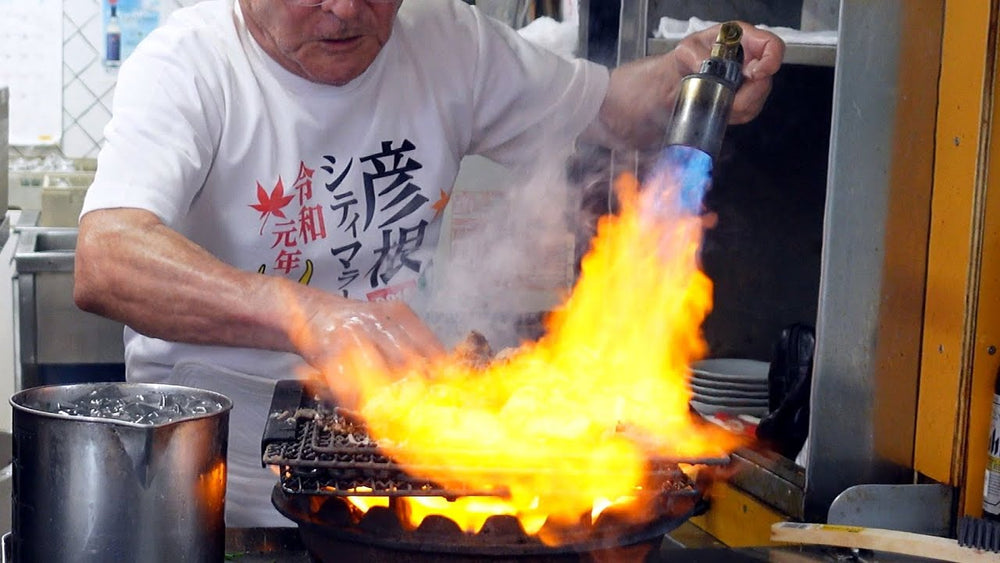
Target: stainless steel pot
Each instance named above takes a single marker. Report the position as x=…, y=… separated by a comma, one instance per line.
x=96, y=489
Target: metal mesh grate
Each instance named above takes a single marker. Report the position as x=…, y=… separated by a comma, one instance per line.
x=318, y=450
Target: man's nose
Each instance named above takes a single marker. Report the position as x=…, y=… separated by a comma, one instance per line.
x=343, y=9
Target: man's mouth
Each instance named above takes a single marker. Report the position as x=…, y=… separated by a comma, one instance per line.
x=341, y=41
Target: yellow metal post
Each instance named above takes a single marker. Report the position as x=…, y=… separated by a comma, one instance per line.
x=961, y=308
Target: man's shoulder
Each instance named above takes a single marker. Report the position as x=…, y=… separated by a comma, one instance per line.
x=441, y=14
x=205, y=20
x=206, y=13
x=418, y=7
x=195, y=32
x=439, y=32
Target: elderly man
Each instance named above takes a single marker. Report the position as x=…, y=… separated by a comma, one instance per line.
x=271, y=186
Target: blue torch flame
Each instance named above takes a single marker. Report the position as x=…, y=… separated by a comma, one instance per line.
x=680, y=180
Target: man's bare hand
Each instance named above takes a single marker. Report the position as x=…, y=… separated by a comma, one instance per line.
x=763, y=52
x=356, y=343
x=389, y=330
x=641, y=95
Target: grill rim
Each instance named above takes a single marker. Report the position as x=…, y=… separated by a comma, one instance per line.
x=603, y=536
x=670, y=508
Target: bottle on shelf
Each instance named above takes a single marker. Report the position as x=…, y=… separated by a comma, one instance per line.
x=113, y=37
x=991, y=483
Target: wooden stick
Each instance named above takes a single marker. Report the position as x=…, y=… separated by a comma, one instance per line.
x=907, y=543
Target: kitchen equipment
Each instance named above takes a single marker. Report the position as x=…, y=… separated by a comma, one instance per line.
x=323, y=454
x=58, y=342
x=119, y=472
x=732, y=386
x=756, y=388
x=892, y=541
x=4, y=149
x=723, y=392
x=786, y=428
x=709, y=409
x=701, y=111
x=979, y=533
x=245, y=545
x=62, y=198
x=731, y=370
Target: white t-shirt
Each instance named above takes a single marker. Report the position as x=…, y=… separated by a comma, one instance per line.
x=338, y=187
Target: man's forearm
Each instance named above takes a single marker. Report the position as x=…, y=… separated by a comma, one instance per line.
x=637, y=105
x=132, y=268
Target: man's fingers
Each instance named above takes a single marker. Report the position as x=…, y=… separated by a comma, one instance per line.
x=424, y=341
x=402, y=336
x=750, y=100
x=763, y=52
x=358, y=366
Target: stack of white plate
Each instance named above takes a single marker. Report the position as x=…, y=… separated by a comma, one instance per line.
x=730, y=385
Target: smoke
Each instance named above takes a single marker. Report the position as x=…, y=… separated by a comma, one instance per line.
x=507, y=252
x=512, y=240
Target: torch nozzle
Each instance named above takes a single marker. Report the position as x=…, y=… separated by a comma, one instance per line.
x=727, y=43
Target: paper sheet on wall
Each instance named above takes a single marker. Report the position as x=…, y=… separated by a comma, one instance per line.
x=31, y=65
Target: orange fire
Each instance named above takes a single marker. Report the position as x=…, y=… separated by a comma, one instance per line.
x=566, y=425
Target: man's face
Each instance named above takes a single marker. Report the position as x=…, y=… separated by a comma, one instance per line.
x=332, y=43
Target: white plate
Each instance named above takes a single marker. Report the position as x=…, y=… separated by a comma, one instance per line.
x=755, y=387
x=728, y=393
x=706, y=409
x=731, y=369
x=729, y=402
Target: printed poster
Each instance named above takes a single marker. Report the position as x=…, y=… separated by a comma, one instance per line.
x=125, y=24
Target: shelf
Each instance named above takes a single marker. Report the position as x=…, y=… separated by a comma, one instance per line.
x=795, y=54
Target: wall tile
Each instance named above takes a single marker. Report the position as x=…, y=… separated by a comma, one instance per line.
x=77, y=98
x=78, y=12
x=78, y=142
x=78, y=54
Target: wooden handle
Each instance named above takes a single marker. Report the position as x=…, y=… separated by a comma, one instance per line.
x=877, y=539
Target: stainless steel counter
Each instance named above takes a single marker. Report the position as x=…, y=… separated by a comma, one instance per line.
x=282, y=545
x=6, y=467
x=4, y=229
x=54, y=332
x=265, y=545
x=687, y=543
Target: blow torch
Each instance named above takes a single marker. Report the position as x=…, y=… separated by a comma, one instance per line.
x=702, y=109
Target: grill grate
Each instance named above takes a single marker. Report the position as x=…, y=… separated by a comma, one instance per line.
x=320, y=451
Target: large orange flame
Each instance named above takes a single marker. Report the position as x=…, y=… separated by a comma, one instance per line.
x=568, y=424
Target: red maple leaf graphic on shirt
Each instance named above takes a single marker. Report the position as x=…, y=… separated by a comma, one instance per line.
x=271, y=204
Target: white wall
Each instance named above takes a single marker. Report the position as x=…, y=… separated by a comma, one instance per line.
x=88, y=86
